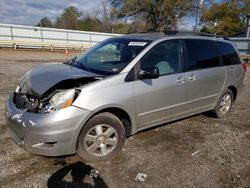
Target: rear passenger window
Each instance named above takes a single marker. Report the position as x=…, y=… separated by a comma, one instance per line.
x=202, y=54
x=229, y=54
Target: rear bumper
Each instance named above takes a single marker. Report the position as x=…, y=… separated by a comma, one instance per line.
x=52, y=134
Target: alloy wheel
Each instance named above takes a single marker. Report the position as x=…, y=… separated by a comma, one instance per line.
x=101, y=140
x=225, y=103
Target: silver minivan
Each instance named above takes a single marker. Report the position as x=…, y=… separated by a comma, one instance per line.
x=90, y=104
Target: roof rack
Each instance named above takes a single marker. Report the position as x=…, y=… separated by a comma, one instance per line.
x=195, y=33
x=145, y=32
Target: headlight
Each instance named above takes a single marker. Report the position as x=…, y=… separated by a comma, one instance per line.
x=17, y=89
x=63, y=99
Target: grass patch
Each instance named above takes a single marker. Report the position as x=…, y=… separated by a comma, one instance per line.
x=21, y=157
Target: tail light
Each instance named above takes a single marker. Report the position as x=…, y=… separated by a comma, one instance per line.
x=244, y=67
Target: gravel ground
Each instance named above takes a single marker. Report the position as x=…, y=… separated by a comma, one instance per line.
x=199, y=151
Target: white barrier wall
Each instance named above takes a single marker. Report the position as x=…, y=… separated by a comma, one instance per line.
x=40, y=36
x=242, y=44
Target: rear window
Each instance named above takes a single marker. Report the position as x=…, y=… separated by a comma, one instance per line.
x=229, y=54
x=201, y=54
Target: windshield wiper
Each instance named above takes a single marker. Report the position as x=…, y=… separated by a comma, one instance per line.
x=77, y=64
x=72, y=60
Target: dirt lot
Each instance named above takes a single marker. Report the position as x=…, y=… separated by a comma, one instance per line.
x=199, y=151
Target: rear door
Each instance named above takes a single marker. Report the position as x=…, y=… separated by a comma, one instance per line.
x=205, y=77
x=159, y=100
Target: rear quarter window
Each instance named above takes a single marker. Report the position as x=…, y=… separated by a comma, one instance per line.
x=201, y=54
x=229, y=54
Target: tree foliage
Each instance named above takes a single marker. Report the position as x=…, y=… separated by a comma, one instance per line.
x=45, y=22
x=125, y=16
x=89, y=24
x=225, y=17
x=158, y=14
x=68, y=19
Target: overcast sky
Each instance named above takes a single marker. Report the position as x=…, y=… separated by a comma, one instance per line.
x=29, y=12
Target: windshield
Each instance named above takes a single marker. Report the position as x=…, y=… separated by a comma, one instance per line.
x=111, y=56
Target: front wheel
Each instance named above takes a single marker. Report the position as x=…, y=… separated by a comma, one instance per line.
x=224, y=104
x=102, y=137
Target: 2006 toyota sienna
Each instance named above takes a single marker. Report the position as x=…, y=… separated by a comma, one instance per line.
x=119, y=87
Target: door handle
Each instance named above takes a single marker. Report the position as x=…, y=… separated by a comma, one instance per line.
x=192, y=77
x=180, y=80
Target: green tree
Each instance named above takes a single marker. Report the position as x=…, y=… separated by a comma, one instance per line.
x=68, y=19
x=245, y=5
x=225, y=17
x=45, y=22
x=122, y=28
x=107, y=16
x=159, y=14
x=89, y=24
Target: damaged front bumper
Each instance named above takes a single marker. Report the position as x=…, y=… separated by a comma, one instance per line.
x=52, y=134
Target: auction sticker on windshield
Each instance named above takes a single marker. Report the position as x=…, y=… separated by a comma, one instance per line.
x=137, y=43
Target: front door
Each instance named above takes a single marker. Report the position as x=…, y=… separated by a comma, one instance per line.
x=159, y=100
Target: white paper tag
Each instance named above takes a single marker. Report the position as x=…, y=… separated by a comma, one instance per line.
x=137, y=43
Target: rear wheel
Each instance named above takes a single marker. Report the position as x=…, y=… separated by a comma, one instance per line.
x=101, y=138
x=224, y=104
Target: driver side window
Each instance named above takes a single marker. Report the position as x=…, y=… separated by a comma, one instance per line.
x=165, y=56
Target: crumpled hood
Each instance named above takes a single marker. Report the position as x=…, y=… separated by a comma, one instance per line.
x=43, y=77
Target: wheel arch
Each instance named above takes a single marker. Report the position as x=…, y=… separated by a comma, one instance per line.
x=234, y=90
x=123, y=115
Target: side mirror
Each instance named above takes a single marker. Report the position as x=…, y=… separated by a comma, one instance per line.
x=149, y=73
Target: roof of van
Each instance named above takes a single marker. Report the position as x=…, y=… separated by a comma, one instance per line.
x=145, y=36
x=159, y=35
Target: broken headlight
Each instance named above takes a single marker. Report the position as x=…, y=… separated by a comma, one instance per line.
x=63, y=99
x=60, y=100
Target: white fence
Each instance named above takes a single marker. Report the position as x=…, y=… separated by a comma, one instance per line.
x=19, y=36
x=242, y=44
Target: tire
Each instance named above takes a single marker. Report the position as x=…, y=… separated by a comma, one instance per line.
x=226, y=97
x=102, y=138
